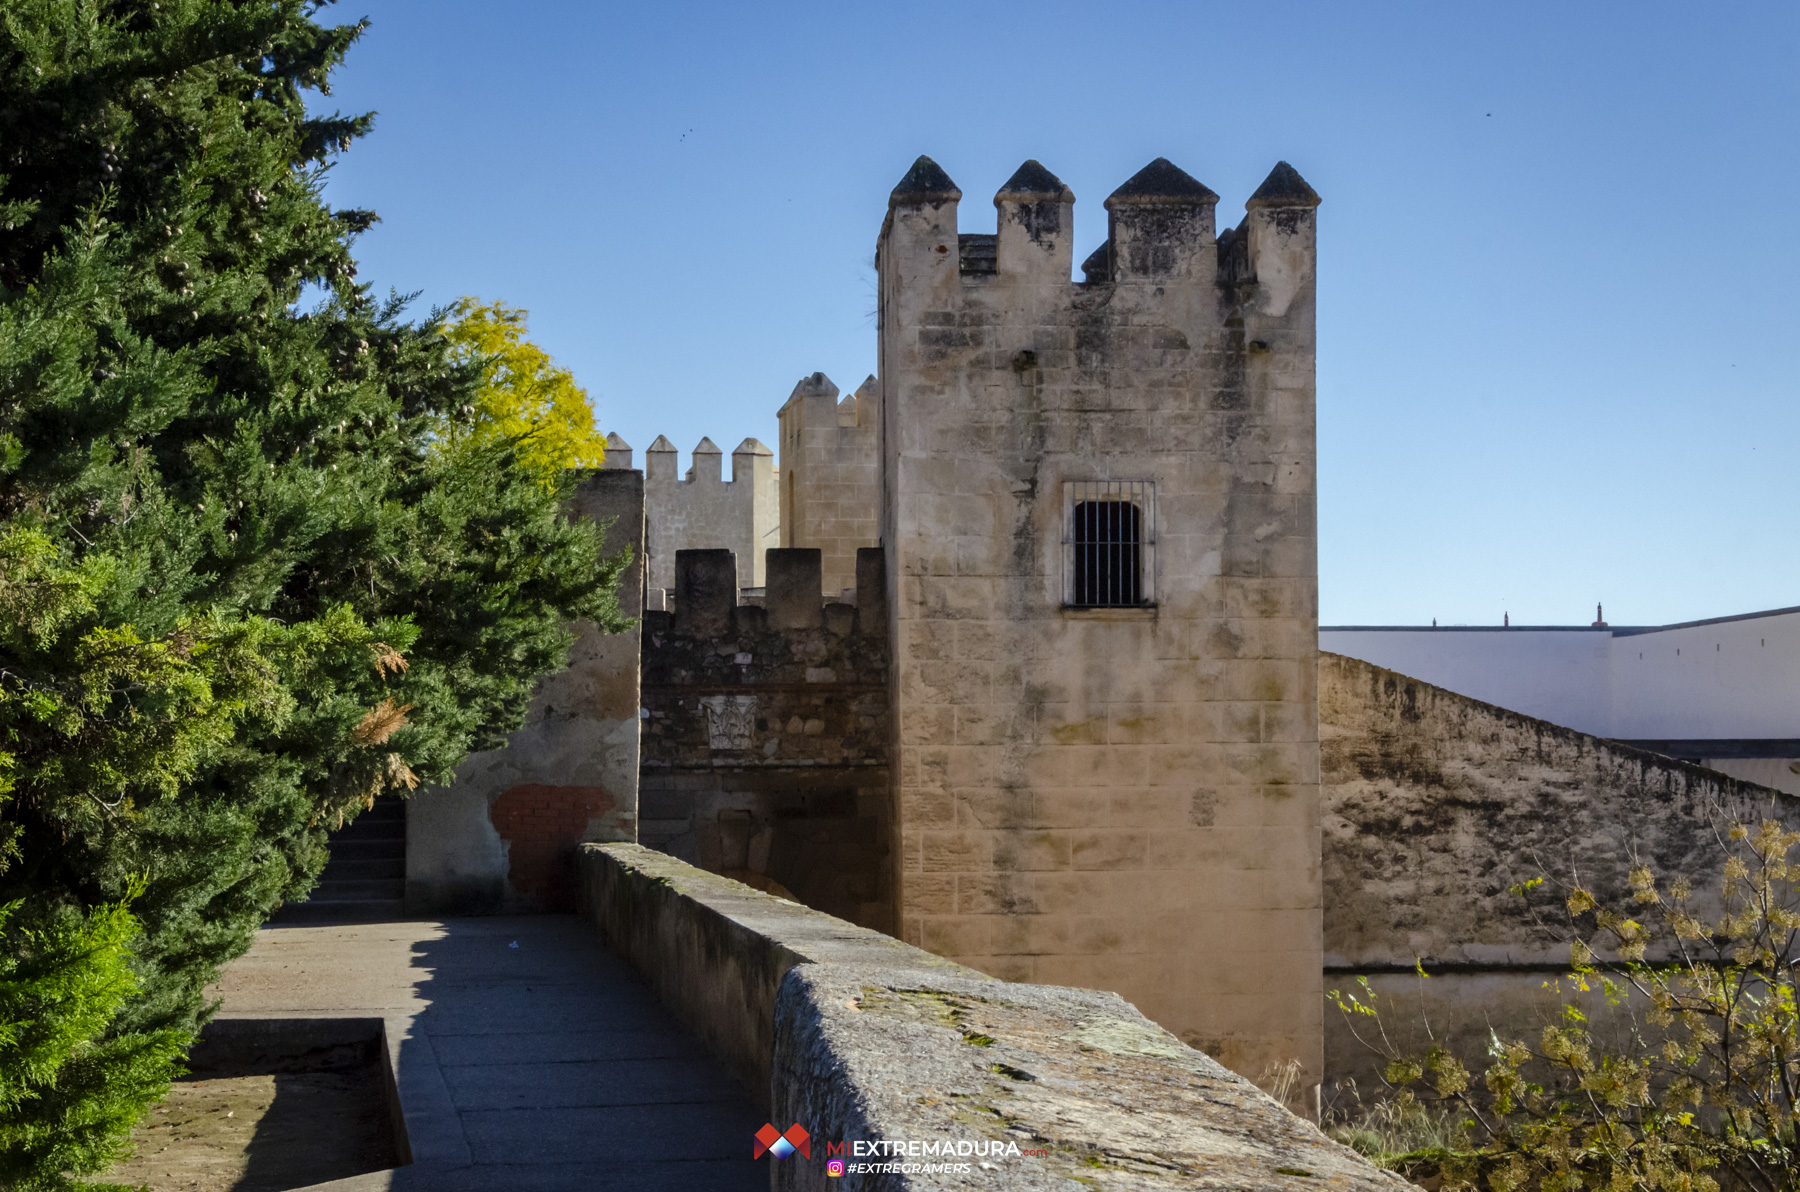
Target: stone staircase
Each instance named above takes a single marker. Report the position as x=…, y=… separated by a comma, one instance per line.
x=365, y=880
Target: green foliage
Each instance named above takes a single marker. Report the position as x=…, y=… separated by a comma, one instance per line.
x=1702, y=1088
x=67, y=1100
x=243, y=589
x=525, y=398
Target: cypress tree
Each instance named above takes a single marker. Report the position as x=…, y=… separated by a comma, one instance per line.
x=254, y=569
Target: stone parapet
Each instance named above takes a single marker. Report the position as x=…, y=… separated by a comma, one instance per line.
x=715, y=950
x=856, y=1036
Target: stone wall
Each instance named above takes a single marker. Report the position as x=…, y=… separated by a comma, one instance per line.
x=1119, y=798
x=830, y=474
x=855, y=1036
x=502, y=836
x=765, y=738
x=1436, y=805
x=704, y=511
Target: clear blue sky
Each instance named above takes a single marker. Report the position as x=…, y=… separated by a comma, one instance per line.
x=1559, y=351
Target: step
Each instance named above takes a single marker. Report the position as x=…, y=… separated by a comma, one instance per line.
x=359, y=891
x=355, y=868
x=379, y=830
x=368, y=850
x=372, y=910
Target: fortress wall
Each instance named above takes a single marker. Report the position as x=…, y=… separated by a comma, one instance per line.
x=765, y=743
x=1436, y=805
x=502, y=836
x=1120, y=798
x=830, y=474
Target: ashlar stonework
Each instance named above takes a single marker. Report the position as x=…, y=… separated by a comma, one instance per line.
x=1123, y=798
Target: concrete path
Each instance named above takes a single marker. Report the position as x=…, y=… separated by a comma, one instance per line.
x=527, y=1056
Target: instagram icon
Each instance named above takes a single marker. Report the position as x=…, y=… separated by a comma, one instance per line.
x=834, y=1167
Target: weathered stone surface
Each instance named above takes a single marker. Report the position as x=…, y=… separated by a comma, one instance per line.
x=1098, y=1094
x=1112, y=797
x=1437, y=805
x=765, y=753
x=854, y=1034
x=715, y=950
x=502, y=836
x=830, y=461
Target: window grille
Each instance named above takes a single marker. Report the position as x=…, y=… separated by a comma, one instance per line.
x=1109, y=543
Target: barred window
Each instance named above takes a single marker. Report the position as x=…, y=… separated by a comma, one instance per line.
x=1109, y=543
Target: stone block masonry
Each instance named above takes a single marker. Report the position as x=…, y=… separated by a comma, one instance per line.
x=1109, y=784
x=765, y=733
x=830, y=474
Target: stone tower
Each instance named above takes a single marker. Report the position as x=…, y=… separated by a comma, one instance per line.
x=829, y=470
x=1098, y=503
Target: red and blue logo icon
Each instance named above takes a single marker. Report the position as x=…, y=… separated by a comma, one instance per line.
x=780, y=1143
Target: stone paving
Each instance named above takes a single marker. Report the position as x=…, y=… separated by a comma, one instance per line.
x=527, y=1056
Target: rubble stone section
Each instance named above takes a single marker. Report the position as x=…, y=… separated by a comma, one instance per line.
x=1121, y=798
x=1438, y=805
x=765, y=733
x=502, y=836
x=702, y=510
x=856, y=1035
x=830, y=474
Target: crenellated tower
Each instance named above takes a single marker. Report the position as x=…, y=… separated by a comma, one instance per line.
x=829, y=467
x=1098, y=506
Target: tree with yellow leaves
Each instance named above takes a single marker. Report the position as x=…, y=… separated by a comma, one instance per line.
x=524, y=396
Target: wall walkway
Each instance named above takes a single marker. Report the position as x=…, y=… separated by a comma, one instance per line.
x=526, y=1056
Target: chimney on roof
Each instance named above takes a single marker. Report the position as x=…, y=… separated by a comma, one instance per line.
x=1599, y=617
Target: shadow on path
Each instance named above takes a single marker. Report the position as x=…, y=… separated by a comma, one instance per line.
x=564, y=1072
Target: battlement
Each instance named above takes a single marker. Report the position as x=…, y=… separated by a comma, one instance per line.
x=707, y=604
x=1160, y=231
x=701, y=509
x=830, y=468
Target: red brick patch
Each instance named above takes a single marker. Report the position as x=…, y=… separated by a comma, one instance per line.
x=543, y=824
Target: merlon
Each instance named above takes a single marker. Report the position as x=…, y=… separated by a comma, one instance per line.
x=925, y=183
x=1284, y=187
